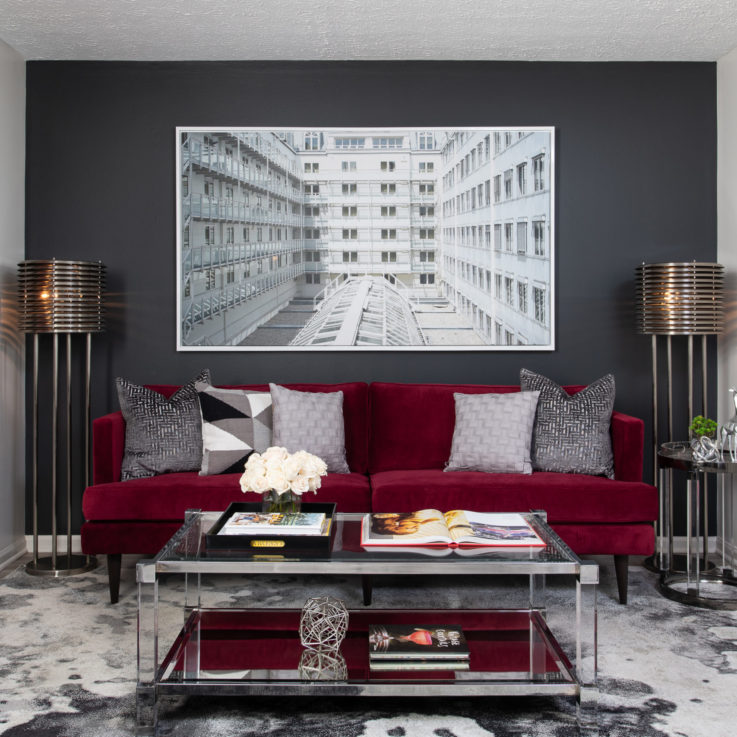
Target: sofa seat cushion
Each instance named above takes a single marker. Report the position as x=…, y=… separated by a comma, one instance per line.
x=565, y=497
x=167, y=497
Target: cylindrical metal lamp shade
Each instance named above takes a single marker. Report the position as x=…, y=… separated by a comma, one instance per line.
x=61, y=296
x=680, y=298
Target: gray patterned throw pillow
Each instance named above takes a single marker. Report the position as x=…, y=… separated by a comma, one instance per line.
x=572, y=431
x=493, y=432
x=311, y=421
x=235, y=423
x=161, y=435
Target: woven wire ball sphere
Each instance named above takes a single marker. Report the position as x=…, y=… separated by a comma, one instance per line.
x=322, y=665
x=323, y=623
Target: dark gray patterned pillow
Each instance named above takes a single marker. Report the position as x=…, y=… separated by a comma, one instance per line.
x=493, y=432
x=161, y=435
x=572, y=431
x=311, y=421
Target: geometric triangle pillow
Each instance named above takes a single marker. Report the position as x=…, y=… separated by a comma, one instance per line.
x=235, y=423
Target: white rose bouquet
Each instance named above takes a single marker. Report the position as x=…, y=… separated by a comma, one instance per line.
x=284, y=473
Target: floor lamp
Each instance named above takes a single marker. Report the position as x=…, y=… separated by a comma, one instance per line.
x=60, y=298
x=678, y=299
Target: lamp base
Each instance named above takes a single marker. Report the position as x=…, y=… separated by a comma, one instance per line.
x=678, y=565
x=65, y=565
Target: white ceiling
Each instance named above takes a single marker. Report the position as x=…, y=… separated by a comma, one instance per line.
x=550, y=30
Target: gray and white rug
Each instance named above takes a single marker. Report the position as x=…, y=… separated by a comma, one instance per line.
x=67, y=668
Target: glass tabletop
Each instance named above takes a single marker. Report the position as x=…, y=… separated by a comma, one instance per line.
x=188, y=550
x=678, y=454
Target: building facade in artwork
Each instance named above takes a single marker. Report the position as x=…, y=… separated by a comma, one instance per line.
x=269, y=217
x=370, y=206
x=496, y=233
x=242, y=251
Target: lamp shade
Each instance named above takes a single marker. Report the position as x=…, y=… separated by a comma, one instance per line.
x=680, y=298
x=61, y=296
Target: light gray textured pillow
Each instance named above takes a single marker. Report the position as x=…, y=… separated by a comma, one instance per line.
x=572, y=431
x=311, y=421
x=161, y=435
x=493, y=432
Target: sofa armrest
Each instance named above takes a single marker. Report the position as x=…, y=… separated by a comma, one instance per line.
x=108, y=445
x=628, y=434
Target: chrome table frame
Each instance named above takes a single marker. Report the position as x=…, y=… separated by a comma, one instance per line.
x=183, y=555
x=688, y=586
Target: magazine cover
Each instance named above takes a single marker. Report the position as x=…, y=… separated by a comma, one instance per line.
x=300, y=523
x=406, y=641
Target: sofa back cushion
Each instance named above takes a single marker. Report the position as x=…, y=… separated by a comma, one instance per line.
x=412, y=424
x=355, y=413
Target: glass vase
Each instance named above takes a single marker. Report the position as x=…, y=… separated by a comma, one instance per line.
x=286, y=503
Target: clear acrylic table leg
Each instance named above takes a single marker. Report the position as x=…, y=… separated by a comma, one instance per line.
x=537, y=605
x=693, y=535
x=666, y=559
x=147, y=650
x=586, y=648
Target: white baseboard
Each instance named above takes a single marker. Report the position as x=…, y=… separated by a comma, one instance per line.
x=44, y=544
x=12, y=552
x=730, y=551
x=680, y=544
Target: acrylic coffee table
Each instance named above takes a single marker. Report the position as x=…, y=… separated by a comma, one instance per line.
x=211, y=648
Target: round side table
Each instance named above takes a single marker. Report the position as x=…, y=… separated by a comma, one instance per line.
x=715, y=588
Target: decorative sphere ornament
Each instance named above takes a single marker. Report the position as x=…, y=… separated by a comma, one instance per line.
x=323, y=623
x=322, y=665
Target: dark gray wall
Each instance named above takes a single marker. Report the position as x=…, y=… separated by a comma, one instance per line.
x=635, y=178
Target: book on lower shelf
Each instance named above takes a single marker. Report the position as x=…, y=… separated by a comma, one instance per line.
x=419, y=665
x=274, y=523
x=457, y=528
x=421, y=643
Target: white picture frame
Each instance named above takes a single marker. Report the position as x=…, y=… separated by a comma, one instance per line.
x=365, y=239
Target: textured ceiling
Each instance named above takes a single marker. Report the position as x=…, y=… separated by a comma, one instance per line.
x=566, y=30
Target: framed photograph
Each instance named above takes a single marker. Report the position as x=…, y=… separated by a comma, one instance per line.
x=365, y=239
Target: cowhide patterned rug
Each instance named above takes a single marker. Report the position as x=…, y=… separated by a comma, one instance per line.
x=67, y=668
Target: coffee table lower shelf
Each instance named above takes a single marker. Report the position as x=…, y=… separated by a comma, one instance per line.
x=250, y=652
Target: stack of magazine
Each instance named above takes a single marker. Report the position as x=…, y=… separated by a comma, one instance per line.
x=275, y=523
x=409, y=647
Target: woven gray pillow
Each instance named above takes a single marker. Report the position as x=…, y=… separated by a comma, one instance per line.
x=571, y=432
x=311, y=421
x=493, y=432
x=161, y=435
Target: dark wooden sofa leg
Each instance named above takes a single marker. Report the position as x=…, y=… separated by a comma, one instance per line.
x=621, y=562
x=113, y=574
x=367, y=583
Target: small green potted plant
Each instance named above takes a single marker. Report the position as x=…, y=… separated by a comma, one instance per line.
x=703, y=427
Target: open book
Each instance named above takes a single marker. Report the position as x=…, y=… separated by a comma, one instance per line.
x=453, y=529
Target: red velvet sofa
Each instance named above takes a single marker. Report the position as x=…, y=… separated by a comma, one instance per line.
x=398, y=438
